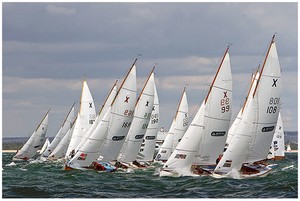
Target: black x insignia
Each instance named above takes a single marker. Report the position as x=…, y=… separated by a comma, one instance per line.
x=274, y=82
x=91, y=105
x=147, y=104
x=225, y=94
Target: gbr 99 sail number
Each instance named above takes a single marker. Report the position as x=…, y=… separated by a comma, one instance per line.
x=272, y=108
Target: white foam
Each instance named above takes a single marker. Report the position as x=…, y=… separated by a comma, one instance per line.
x=11, y=164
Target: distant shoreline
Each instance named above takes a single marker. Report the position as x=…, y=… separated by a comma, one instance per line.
x=9, y=151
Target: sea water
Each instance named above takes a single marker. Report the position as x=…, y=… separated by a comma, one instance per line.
x=48, y=180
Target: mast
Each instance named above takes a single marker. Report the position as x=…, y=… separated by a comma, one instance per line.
x=180, y=102
x=84, y=80
x=216, y=75
x=42, y=119
x=108, y=96
x=252, y=81
x=272, y=41
x=68, y=114
x=124, y=81
x=137, y=100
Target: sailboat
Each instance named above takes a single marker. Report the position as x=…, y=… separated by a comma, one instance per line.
x=140, y=122
x=85, y=118
x=147, y=149
x=60, y=150
x=121, y=115
x=276, y=151
x=35, y=142
x=288, y=147
x=205, y=138
x=107, y=104
x=88, y=149
x=177, y=129
x=253, y=136
x=61, y=132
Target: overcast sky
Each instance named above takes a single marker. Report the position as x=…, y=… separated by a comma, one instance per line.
x=49, y=47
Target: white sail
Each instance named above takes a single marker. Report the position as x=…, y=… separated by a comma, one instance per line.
x=205, y=138
x=62, y=132
x=137, y=130
x=35, y=142
x=288, y=147
x=253, y=137
x=89, y=147
x=61, y=149
x=277, y=147
x=90, y=150
x=237, y=120
x=107, y=103
x=120, y=118
x=148, y=147
x=266, y=107
x=165, y=150
x=45, y=146
x=85, y=118
x=181, y=120
x=177, y=129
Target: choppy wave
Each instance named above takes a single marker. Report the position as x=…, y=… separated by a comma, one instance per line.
x=49, y=180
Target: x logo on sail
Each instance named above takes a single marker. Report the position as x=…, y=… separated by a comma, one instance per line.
x=225, y=94
x=147, y=104
x=91, y=105
x=127, y=98
x=274, y=82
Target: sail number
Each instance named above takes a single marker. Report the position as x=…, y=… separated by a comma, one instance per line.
x=126, y=124
x=154, y=118
x=185, y=122
x=225, y=107
x=272, y=108
x=128, y=112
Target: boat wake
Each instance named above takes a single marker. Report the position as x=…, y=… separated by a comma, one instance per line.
x=288, y=167
x=11, y=164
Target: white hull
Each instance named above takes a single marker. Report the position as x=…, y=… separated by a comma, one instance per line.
x=263, y=171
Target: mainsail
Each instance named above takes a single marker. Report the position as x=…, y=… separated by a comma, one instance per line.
x=277, y=146
x=35, y=142
x=177, y=129
x=85, y=118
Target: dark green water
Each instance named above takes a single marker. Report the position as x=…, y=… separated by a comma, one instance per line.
x=49, y=180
